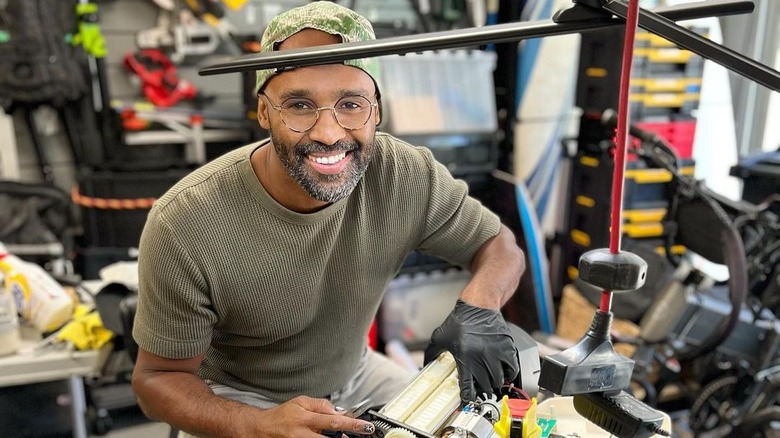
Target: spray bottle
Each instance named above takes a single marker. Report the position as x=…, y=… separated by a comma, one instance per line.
x=37, y=296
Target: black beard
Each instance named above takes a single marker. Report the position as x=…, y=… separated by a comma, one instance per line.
x=325, y=188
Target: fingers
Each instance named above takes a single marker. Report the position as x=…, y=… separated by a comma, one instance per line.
x=486, y=373
x=319, y=405
x=466, y=381
x=487, y=378
x=511, y=367
x=325, y=417
x=340, y=424
x=433, y=350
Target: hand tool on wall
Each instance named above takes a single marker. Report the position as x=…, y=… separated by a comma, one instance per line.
x=212, y=12
x=160, y=82
x=193, y=37
x=91, y=38
x=159, y=36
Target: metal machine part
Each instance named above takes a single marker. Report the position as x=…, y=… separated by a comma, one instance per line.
x=430, y=407
x=427, y=402
x=490, y=406
x=399, y=432
x=470, y=423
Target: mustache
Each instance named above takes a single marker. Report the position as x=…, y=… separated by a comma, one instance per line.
x=308, y=148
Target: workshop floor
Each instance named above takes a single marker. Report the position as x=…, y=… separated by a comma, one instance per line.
x=131, y=423
x=151, y=430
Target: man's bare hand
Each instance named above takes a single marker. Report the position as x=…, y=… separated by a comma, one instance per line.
x=307, y=417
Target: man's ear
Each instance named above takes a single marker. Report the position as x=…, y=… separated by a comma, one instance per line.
x=262, y=114
x=378, y=112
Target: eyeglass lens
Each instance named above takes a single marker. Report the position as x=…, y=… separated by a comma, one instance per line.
x=351, y=112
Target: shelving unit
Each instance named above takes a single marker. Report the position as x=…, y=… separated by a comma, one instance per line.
x=665, y=87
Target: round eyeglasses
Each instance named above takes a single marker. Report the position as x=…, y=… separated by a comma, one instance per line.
x=301, y=114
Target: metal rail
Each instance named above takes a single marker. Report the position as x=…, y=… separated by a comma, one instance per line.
x=580, y=17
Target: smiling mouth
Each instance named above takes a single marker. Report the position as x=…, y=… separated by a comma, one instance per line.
x=331, y=159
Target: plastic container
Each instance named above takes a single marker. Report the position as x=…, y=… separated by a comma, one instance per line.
x=37, y=296
x=440, y=92
x=10, y=338
x=416, y=304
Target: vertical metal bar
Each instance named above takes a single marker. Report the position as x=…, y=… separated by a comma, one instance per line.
x=748, y=118
x=78, y=406
x=9, y=155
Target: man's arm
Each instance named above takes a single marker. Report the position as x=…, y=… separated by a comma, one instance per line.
x=475, y=332
x=161, y=384
x=496, y=270
x=170, y=390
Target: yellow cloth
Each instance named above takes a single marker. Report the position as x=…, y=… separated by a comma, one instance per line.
x=85, y=331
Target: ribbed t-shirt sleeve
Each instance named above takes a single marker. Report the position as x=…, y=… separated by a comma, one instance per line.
x=174, y=317
x=456, y=224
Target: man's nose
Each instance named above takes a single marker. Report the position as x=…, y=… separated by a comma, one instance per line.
x=327, y=129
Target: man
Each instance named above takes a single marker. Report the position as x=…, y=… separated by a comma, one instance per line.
x=261, y=272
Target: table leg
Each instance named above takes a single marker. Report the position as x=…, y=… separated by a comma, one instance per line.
x=78, y=406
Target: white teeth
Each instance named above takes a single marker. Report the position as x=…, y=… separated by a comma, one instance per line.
x=328, y=160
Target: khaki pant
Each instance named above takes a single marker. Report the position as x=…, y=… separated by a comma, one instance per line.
x=378, y=379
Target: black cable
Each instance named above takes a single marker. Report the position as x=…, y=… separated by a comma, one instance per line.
x=653, y=147
x=755, y=422
x=736, y=262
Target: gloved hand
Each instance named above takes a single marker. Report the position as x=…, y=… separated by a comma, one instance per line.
x=482, y=346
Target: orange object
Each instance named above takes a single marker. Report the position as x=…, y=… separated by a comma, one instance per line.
x=518, y=407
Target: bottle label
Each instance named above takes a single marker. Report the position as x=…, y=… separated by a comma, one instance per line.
x=9, y=321
x=18, y=294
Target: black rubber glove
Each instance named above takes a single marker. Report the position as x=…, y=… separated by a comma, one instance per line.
x=483, y=348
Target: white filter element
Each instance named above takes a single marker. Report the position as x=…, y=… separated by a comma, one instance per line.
x=422, y=386
x=432, y=414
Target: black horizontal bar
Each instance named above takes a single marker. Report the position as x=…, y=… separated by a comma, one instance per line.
x=702, y=46
x=710, y=8
x=404, y=44
x=659, y=21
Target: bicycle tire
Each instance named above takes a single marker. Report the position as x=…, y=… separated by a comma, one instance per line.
x=707, y=392
x=755, y=422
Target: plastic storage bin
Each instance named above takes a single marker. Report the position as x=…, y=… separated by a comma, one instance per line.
x=439, y=92
x=416, y=304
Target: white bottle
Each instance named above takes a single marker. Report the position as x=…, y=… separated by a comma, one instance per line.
x=10, y=338
x=38, y=297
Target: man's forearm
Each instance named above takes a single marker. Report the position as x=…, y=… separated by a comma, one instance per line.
x=186, y=402
x=496, y=270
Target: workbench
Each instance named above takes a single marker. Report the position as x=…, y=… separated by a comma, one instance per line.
x=50, y=364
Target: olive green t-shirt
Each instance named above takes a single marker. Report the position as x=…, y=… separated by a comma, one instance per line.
x=280, y=302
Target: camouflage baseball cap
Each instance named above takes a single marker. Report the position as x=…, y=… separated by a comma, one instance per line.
x=327, y=17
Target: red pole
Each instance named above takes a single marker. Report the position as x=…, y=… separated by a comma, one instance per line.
x=621, y=142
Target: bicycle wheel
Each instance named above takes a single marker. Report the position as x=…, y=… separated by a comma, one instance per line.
x=717, y=404
x=762, y=424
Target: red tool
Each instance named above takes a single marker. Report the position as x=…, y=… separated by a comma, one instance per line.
x=159, y=81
